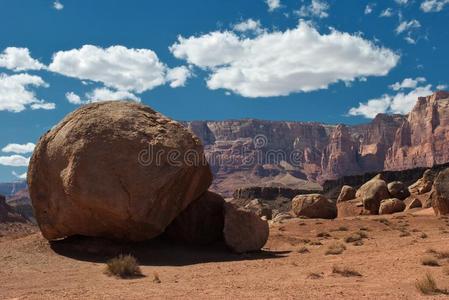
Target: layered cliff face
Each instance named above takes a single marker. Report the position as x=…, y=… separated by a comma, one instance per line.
x=422, y=139
x=292, y=154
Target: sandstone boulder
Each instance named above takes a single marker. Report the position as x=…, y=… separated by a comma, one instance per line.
x=347, y=193
x=424, y=184
x=115, y=169
x=351, y=208
x=260, y=209
x=314, y=206
x=440, y=193
x=391, y=206
x=372, y=193
x=201, y=222
x=412, y=202
x=398, y=190
x=243, y=230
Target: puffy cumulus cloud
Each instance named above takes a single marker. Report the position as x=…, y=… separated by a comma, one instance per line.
x=16, y=93
x=101, y=94
x=273, y=4
x=407, y=83
x=14, y=161
x=19, y=148
x=280, y=63
x=19, y=59
x=401, y=103
x=316, y=8
x=58, y=5
x=117, y=67
x=433, y=5
x=19, y=176
x=249, y=25
x=178, y=76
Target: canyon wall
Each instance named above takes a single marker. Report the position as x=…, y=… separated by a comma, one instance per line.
x=297, y=154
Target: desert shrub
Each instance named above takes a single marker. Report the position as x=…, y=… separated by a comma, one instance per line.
x=123, y=266
x=429, y=261
x=341, y=228
x=363, y=234
x=323, y=234
x=427, y=285
x=315, y=243
x=353, y=238
x=303, y=250
x=335, y=248
x=313, y=275
x=358, y=243
x=364, y=229
x=345, y=271
x=404, y=234
x=423, y=235
x=383, y=221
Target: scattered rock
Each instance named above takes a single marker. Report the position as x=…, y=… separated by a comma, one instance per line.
x=398, y=190
x=391, y=206
x=347, y=193
x=243, y=230
x=440, y=193
x=372, y=193
x=108, y=170
x=201, y=222
x=314, y=206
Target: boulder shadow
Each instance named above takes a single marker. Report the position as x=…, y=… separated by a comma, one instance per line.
x=156, y=252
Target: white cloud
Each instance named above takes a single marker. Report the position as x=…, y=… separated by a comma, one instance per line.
x=118, y=67
x=401, y=103
x=58, y=5
x=16, y=95
x=178, y=76
x=433, y=5
x=407, y=83
x=14, y=161
x=406, y=26
x=101, y=94
x=20, y=176
x=316, y=8
x=273, y=4
x=369, y=8
x=410, y=40
x=249, y=25
x=279, y=63
x=386, y=13
x=402, y=2
x=19, y=148
x=19, y=59
x=442, y=87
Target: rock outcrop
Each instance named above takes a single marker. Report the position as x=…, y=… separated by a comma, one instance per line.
x=243, y=230
x=391, y=206
x=314, y=206
x=108, y=170
x=440, y=193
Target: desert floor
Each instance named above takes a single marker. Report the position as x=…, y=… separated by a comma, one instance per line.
x=389, y=262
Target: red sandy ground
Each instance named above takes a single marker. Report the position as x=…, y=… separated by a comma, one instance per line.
x=389, y=264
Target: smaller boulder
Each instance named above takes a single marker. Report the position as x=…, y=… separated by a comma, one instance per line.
x=412, y=202
x=391, y=206
x=440, y=193
x=314, y=206
x=398, y=190
x=243, y=230
x=372, y=193
x=351, y=208
x=282, y=216
x=347, y=193
x=201, y=222
x=260, y=209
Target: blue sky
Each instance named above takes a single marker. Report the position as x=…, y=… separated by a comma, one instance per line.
x=312, y=60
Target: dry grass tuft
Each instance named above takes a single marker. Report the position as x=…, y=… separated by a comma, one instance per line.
x=428, y=286
x=358, y=243
x=404, y=234
x=303, y=250
x=341, y=228
x=364, y=229
x=315, y=243
x=123, y=266
x=383, y=221
x=353, y=238
x=313, y=275
x=423, y=235
x=429, y=261
x=335, y=248
x=345, y=271
x=323, y=234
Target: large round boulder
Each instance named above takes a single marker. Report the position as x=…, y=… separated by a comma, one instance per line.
x=314, y=206
x=372, y=193
x=347, y=193
x=391, y=206
x=398, y=190
x=115, y=169
x=244, y=231
x=440, y=193
x=201, y=222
